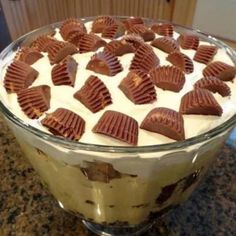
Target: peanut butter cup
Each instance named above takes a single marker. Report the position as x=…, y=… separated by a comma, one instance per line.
x=138, y=87
x=64, y=73
x=143, y=31
x=28, y=55
x=166, y=44
x=34, y=101
x=94, y=94
x=220, y=70
x=168, y=78
x=90, y=43
x=57, y=51
x=104, y=63
x=165, y=121
x=188, y=41
x=165, y=29
x=144, y=59
x=119, y=126
x=119, y=47
x=181, y=61
x=214, y=85
x=65, y=123
x=19, y=75
x=205, y=53
x=200, y=102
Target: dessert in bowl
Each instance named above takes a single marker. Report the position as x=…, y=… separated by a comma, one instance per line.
x=121, y=117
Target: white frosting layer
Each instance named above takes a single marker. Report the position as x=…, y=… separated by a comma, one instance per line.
x=62, y=96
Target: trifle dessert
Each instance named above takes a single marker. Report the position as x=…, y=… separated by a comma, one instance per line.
x=121, y=117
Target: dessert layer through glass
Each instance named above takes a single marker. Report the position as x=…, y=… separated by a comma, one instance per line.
x=115, y=185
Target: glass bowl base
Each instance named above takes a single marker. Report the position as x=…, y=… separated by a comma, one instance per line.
x=115, y=230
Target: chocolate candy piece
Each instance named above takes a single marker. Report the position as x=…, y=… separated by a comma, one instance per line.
x=104, y=63
x=28, y=55
x=205, y=53
x=119, y=126
x=42, y=42
x=101, y=22
x=138, y=87
x=113, y=31
x=64, y=73
x=214, y=85
x=166, y=44
x=65, y=123
x=188, y=41
x=144, y=59
x=90, y=43
x=129, y=23
x=168, y=78
x=143, y=31
x=165, y=121
x=165, y=29
x=200, y=102
x=34, y=101
x=220, y=70
x=19, y=75
x=135, y=40
x=119, y=47
x=181, y=61
x=57, y=51
x=94, y=94
x=71, y=29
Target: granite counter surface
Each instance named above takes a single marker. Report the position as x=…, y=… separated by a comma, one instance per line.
x=27, y=209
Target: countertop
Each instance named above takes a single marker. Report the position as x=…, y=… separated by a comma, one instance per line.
x=27, y=209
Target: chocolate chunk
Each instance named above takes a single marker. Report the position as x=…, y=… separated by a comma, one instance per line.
x=34, y=101
x=144, y=59
x=188, y=41
x=143, y=31
x=57, y=51
x=19, y=75
x=205, y=53
x=100, y=171
x=94, y=94
x=101, y=22
x=214, y=85
x=165, y=121
x=130, y=22
x=166, y=44
x=28, y=55
x=168, y=78
x=166, y=193
x=42, y=42
x=65, y=123
x=135, y=40
x=220, y=70
x=72, y=29
x=138, y=87
x=181, y=61
x=165, y=29
x=104, y=63
x=191, y=179
x=119, y=47
x=64, y=73
x=113, y=31
x=90, y=43
x=119, y=126
x=200, y=102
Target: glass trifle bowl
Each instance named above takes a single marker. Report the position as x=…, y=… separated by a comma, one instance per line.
x=115, y=189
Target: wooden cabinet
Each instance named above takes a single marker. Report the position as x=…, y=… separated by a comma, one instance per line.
x=24, y=15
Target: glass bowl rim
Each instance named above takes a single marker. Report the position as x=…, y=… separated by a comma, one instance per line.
x=75, y=145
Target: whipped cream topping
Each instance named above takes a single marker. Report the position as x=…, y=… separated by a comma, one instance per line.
x=62, y=97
